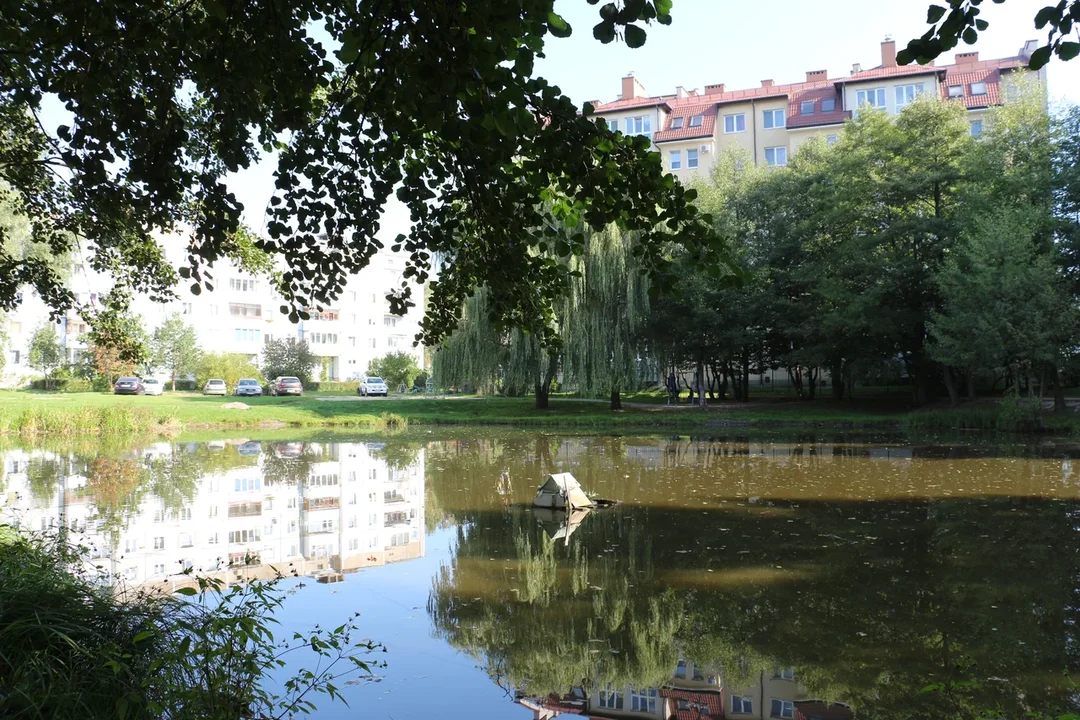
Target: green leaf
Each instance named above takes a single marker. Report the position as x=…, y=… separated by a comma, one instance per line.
x=635, y=36
x=558, y=26
x=981, y=24
x=189, y=591
x=934, y=13
x=1046, y=15
x=1040, y=57
x=1068, y=50
x=604, y=32
x=970, y=36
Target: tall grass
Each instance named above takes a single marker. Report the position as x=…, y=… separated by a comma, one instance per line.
x=1008, y=416
x=37, y=422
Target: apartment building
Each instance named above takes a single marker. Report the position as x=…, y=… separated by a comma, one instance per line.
x=240, y=315
x=770, y=122
x=350, y=510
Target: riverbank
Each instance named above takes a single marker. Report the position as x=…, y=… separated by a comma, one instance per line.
x=38, y=414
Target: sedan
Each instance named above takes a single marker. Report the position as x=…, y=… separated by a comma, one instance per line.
x=128, y=386
x=287, y=386
x=214, y=386
x=248, y=386
x=153, y=386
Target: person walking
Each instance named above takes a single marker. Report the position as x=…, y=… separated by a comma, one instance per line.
x=672, y=390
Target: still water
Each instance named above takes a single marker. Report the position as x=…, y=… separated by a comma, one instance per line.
x=734, y=578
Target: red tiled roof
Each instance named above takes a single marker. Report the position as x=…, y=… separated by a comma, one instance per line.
x=630, y=104
x=988, y=72
x=891, y=71
x=685, y=111
x=702, y=704
x=795, y=118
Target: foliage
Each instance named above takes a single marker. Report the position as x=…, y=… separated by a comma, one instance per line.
x=74, y=648
x=396, y=368
x=288, y=357
x=117, y=332
x=106, y=363
x=46, y=354
x=175, y=346
x=230, y=367
x=356, y=103
x=961, y=21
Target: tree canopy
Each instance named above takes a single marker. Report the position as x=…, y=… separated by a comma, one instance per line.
x=288, y=356
x=397, y=368
x=435, y=104
x=175, y=347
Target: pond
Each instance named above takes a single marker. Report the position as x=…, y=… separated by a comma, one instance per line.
x=735, y=578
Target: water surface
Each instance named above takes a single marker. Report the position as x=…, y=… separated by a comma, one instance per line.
x=745, y=579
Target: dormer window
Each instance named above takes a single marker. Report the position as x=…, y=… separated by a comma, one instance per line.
x=978, y=88
x=956, y=91
x=696, y=120
x=676, y=122
x=806, y=107
x=828, y=104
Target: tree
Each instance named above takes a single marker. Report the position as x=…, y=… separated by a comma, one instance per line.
x=230, y=367
x=357, y=102
x=117, y=339
x=176, y=347
x=289, y=356
x=397, y=368
x=46, y=353
x=961, y=21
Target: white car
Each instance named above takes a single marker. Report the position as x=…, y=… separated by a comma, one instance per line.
x=152, y=386
x=214, y=386
x=372, y=386
x=248, y=386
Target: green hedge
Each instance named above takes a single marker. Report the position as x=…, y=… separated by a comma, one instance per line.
x=331, y=386
x=66, y=385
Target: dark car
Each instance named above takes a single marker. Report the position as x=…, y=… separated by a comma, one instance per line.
x=128, y=386
x=286, y=386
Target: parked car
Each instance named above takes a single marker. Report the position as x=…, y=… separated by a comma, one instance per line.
x=372, y=386
x=214, y=386
x=128, y=386
x=286, y=386
x=248, y=386
x=152, y=386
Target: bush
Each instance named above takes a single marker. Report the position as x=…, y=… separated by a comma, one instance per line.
x=332, y=386
x=73, y=647
x=67, y=385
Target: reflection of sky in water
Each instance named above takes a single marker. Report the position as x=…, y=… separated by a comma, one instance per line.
x=870, y=570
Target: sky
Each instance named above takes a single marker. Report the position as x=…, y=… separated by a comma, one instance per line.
x=738, y=43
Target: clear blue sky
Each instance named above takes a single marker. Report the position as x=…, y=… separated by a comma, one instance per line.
x=738, y=43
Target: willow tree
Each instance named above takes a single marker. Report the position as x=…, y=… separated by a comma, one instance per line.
x=608, y=307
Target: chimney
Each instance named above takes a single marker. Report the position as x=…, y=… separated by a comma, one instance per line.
x=856, y=68
x=888, y=52
x=815, y=75
x=680, y=91
x=1029, y=47
x=967, y=58
x=714, y=89
x=766, y=83
x=631, y=88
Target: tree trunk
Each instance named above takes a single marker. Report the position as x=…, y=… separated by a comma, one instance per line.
x=723, y=386
x=970, y=385
x=836, y=372
x=542, y=396
x=1059, y=391
x=812, y=385
x=173, y=377
x=616, y=399
x=950, y=385
x=746, y=377
x=701, y=385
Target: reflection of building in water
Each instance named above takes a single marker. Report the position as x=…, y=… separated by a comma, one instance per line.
x=346, y=509
x=693, y=693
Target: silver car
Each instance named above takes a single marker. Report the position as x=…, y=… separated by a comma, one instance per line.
x=372, y=386
x=214, y=386
x=248, y=386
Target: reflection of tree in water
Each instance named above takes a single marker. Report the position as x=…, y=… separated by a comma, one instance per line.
x=546, y=616
x=45, y=474
x=871, y=602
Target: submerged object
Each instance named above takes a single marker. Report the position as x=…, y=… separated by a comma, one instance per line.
x=561, y=491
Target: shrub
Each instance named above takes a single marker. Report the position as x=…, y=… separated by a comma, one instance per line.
x=74, y=647
x=332, y=386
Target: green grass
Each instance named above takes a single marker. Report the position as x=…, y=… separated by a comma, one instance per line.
x=42, y=415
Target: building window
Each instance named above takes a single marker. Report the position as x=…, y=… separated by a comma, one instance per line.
x=776, y=156
x=976, y=128
x=782, y=709
x=186, y=309
x=248, y=335
x=675, y=159
x=159, y=543
x=390, y=321
x=786, y=673
x=245, y=536
x=159, y=569
x=680, y=669
x=352, y=342
x=774, y=119
x=243, y=284
x=322, y=338
x=906, y=94
x=691, y=158
x=978, y=88
x=806, y=107
x=611, y=699
x=735, y=123
x=956, y=91
x=696, y=120
x=742, y=704
x=676, y=122
x=372, y=342
x=613, y=125
x=354, y=544
x=874, y=98
x=641, y=125
x=643, y=700
x=245, y=310
x=831, y=140
x=828, y=104
x=331, y=315
x=15, y=357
